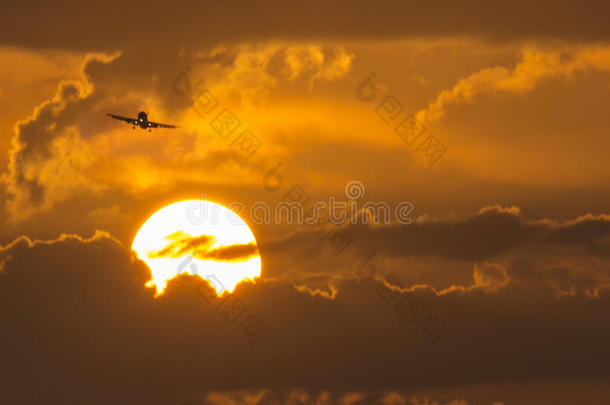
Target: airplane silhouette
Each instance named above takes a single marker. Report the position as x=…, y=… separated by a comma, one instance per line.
x=142, y=121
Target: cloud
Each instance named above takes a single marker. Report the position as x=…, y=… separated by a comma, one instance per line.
x=107, y=215
x=237, y=398
x=299, y=396
x=311, y=61
x=492, y=232
x=535, y=66
x=158, y=350
x=235, y=252
x=201, y=247
x=486, y=252
x=351, y=398
x=48, y=157
x=321, y=292
x=191, y=23
x=30, y=243
x=490, y=277
x=182, y=243
x=255, y=73
x=394, y=398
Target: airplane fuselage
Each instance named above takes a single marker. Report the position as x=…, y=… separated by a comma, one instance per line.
x=143, y=120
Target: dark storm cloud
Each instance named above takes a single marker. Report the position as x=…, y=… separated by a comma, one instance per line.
x=230, y=253
x=491, y=232
x=586, y=230
x=79, y=325
x=485, y=252
x=155, y=24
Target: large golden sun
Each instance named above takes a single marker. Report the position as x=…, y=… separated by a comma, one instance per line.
x=198, y=237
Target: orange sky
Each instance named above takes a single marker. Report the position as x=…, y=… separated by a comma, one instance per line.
x=510, y=250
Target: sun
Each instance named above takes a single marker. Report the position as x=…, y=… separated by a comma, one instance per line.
x=198, y=237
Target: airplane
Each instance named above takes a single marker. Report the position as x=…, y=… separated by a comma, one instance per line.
x=142, y=121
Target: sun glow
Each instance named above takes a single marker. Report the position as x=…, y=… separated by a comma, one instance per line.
x=198, y=237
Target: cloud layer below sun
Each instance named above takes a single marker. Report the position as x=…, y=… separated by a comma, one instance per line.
x=508, y=250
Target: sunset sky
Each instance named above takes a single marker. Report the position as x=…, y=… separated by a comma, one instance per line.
x=485, y=128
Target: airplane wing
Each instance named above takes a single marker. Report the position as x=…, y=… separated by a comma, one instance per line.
x=159, y=125
x=131, y=121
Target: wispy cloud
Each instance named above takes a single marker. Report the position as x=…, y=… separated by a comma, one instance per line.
x=200, y=247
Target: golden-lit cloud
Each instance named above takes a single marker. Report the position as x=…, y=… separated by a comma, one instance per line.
x=32, y=243
x=253, y=74
x=48, y=157
x=534, y=66
x=262, y=84
x=490, y=277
